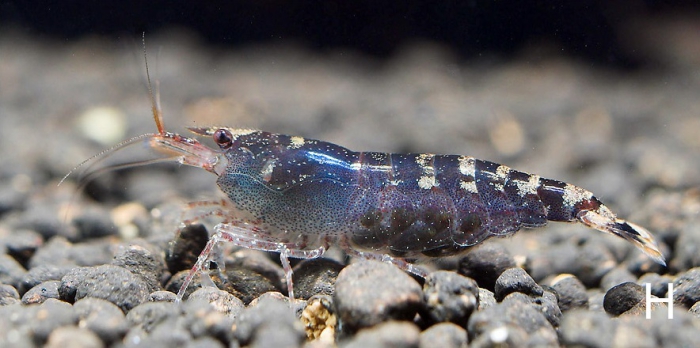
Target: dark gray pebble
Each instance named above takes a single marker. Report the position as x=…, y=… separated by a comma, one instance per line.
x=147, y=263
x=444, y=335
x=593, y=262
x=11, y=271
x=11, y=198
x=101, y=317
x=270, y=323
x=695, y=310
x=686, y=288
x=557, y=257
x=398, y=334
x=109, y=282
x=60, y=252
x=572, y=293
x=515, y=314
x=449, y=297
x=548, y=304
x=616, y=276
x=261, y=263
x=149, y=314
x=93, y=221
x=623, y=297
x=686, y=253
x=40, y=274
x=8, y=295
x=315, y=277
x=243, y=283
x=71, y=336
x=42, y=292
x=42, y=218
x=162, y=296
x=659, y=283
x=220, y=300
x=516, y=280
x=186, y=247
x=22, y=244
x=580, y=328
x=486, y=263
x=204, y=342
x=371, y=292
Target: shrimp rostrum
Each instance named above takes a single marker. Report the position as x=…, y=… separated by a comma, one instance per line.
x=299, y=196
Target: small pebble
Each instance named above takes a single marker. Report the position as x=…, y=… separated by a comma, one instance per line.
x=659, y=283
x=593, y=261
x=444, y=335
x=371, y=292
x=695, y=310
x=220, y=300
x=147, y=264
x=486, y=298
x=449, y=297
x=616, y=276
x=8, y=295
x=149, y=314
x=42, y=292
x=22, y=244
x=687, y=249
x=94, y=221
x=186, y=247
x=49, y=316
x=162, y=296
x=11, y=271
x=501, y=335
x=270, y=323
x=71, y=336
x=686, y=288
x=315, y=277
x=43, y=273
x=397, y=334
x=243, y=283
x=486, y=263
x=516, y=280
x=581, y=328
x=623, y=297
x=102, y=317
x=572, y=293
x=109, y=282
x=630, y=335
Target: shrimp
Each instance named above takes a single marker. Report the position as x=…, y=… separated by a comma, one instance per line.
x=299, y=196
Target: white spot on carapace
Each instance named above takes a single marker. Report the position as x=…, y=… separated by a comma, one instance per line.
x=574, y=194
x=267, y=169
x=467, y=166
x=423, y=159
x=427, y=182
x=498, y=187
x=528, y=187
x=502, y=172
x=468, y=186
x=296, y=142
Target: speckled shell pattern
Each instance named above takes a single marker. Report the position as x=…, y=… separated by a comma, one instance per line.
x=307, y=192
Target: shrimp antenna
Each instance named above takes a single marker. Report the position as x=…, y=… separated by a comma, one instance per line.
x=155, y=99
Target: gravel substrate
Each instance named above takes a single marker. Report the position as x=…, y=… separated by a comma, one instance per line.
x=97, y=266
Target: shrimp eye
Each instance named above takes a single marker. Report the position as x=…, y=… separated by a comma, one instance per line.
x=223, y=138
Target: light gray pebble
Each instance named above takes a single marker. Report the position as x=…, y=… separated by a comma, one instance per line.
x=270, y=323
x=220, y=300
x=398, y=334
x=11, y=271
x=71, y=336
x=446, y=335
x=146, y=263
x=587, y=329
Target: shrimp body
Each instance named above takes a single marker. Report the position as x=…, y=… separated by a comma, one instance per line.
x=310, y=193
x=299, y=196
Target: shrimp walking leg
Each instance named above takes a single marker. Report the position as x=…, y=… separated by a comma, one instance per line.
x=245, y=235
x=398, y=262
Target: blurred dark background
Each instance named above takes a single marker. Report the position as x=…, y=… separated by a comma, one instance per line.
x=588, y=29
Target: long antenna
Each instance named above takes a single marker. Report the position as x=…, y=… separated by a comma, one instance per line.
x=155, y=100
